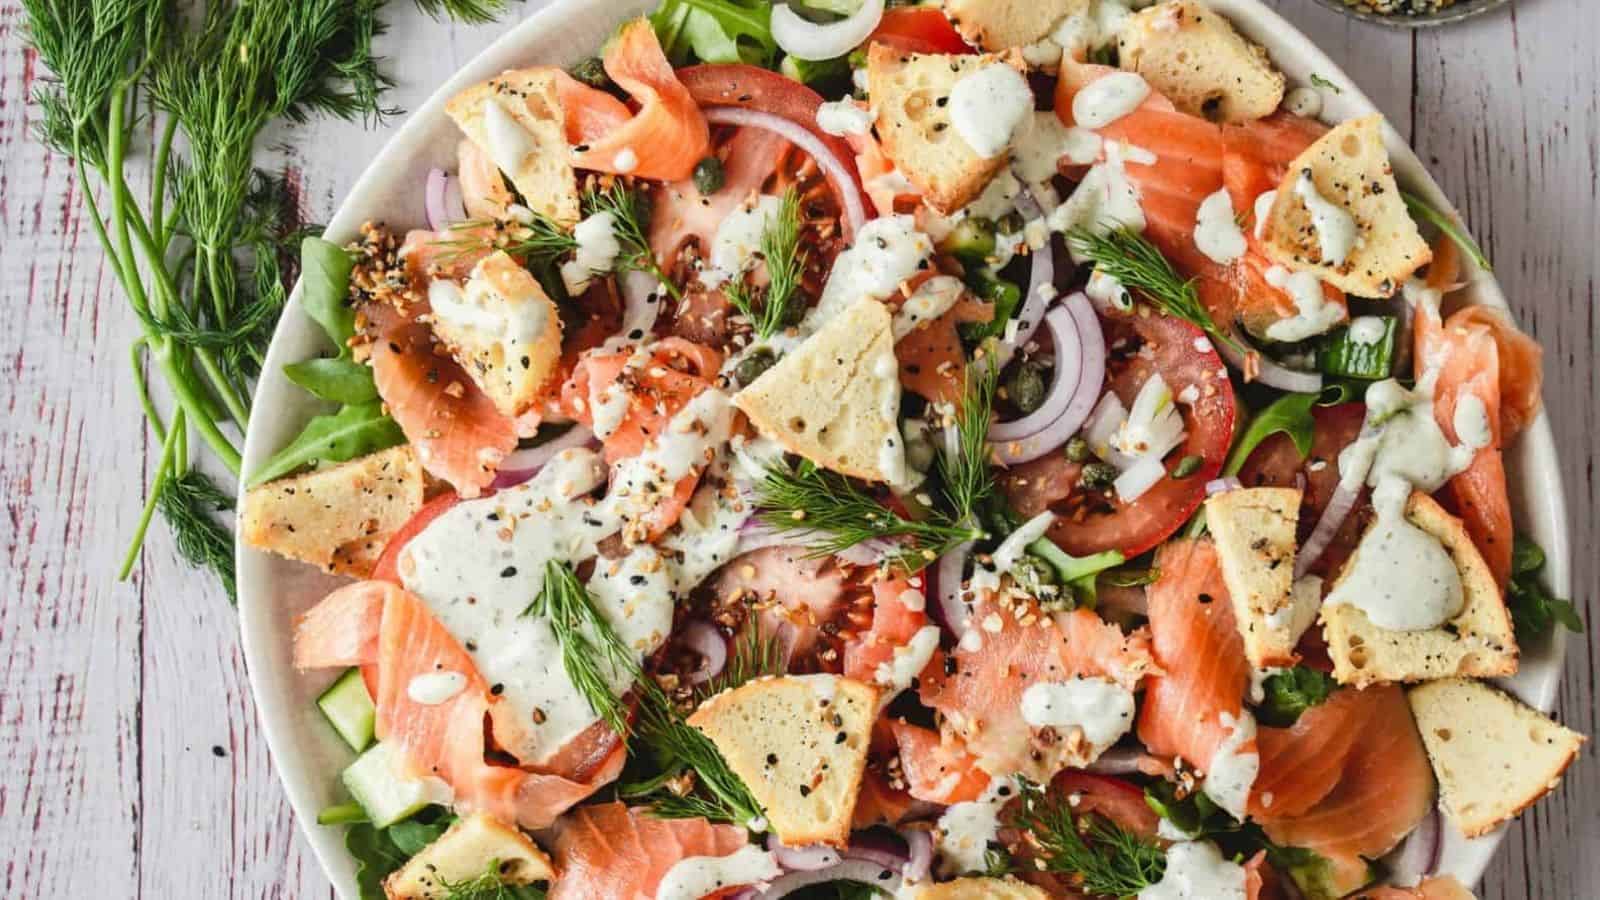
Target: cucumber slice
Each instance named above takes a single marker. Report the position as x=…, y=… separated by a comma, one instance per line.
x=379, y=782
x=349, y=709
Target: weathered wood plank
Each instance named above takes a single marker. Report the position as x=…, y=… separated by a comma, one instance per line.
x=1508, y=118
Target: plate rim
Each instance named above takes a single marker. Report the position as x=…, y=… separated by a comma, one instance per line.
x=276, y=688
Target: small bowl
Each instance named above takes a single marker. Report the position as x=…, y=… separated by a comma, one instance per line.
x=1463, y=9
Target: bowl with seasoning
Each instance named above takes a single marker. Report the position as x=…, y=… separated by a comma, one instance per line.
x=1413, y=13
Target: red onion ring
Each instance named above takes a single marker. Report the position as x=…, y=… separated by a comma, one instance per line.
x=859, y=870
x=1268, y=372
x=534, y=458
x=1066, y=407
x=1333, y=515
x=1117, y=761
x=810, y=858
x=1418, y=857
x=949, y=571
x=844, y=184
x=441, y=200
x=1041, y=272
x=1220, y=485
x=804, y=39
x=706, y=641
x=920, y=863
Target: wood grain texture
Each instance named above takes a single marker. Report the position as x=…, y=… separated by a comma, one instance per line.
x=133, y=764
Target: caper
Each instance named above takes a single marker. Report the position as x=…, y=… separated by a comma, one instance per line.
x=1034, y=573
x=708, y=175
x=1026, y=387
x=1187, y=466
x=1097, y=475
x=971, y=240
x=592, y=71
x=754, y=363
x=1077, y=450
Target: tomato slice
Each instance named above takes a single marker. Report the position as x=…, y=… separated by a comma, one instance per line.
x=1277, y=463
x=919, y=29
x=388, y=567
x=1184, y=358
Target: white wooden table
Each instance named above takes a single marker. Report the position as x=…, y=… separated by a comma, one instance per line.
x=130, y=760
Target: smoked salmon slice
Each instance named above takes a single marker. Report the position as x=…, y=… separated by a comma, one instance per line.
x=458, y=434
x=1204, y=672
x=898, y=613
x=1384, y=791
x=1301, y=764
x=443, y=740
x=936, y=771
x=793, y=594
x=933, y=363
x=664, y=139
x=977, y=688
x=609, y=850
x=749, y=158
x=1445, y=888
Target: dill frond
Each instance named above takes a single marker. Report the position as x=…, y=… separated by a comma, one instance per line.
x=681, y=746
x=591, y=651
x=1131, y=259
x=785, y=264
x=469, y=11
x=968, y=476
x=630, y=219
x=832, y=515
x=755, y=655
x=487, y=886
x=189, y=502
x=1103, y=858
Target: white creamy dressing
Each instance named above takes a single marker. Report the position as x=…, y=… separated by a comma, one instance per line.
x=1335, y=227
x=1471, y=422
x=434, y=688
x=479, y=565
x=1233, y=771
x=1099, y=708
x=1099, y=23
x=1216, y=230
x=932, y=299
x=509, y=144
x=966, y=829
x=1196, y=870
x=887, y=251
x=514, y=323
x=907, y=663
x=1303, y=101
x=738, y=240
x=1263, y=210
x=696, y=876
x=1400, y=576
x=1108, y=98
x=596, y=254
x=1104, y=288
x=844, y=117
x=1105, y=199
x=986, y=577
x=1367, y=330
x=988, y=105
x=609, y=402
x=626, y=160
x=1258, y=683
x=1314, y=314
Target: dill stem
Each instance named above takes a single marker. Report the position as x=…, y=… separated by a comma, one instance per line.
x=158, y=185
x=190, y=400
x=142, y=385
x=164, y=465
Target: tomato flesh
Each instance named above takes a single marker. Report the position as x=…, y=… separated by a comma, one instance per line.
x=919, y=29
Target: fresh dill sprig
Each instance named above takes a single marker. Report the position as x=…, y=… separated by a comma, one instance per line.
x=1103, y=858
x=630, y=220
x=470, y=11
x=684, y=748
x=189, y=502
x=1133, y=261
x=590, y=649
x=832, y=515
x=487, y=886
x=539, y=242
x=785, y=265
x=755, y=655
x=967, y=475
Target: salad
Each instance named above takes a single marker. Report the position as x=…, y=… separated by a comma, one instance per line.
x=989, y=451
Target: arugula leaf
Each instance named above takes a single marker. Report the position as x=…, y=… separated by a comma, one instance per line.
x=1421, y=209
x=325, y=270
x=1292, y=692
x=380, y=851
x=1290, y=414
x=715, y=31
x=1005, y=296
x=1340, y=356
x=1534, y=610
x=339, y=379
x=1195, y=814
x=349, y=433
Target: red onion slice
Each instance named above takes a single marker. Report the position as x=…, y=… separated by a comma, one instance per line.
x=1221, y=485
x=844, y=184
x=1041, y=287
x=803, y=859
x=949, y=571
x=441, y=200
x=1066, y=407
x=1418, y=857
x=1118, y=761
x=815, y=41
x=1333, y=515
x=1266, y=371
x=531, y=459
x=706, y=641
x=859, y=870
x=920, y=843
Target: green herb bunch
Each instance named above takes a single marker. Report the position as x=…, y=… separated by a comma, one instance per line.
x=199, y=255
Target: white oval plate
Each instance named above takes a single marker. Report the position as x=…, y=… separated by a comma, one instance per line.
x=306, y=752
